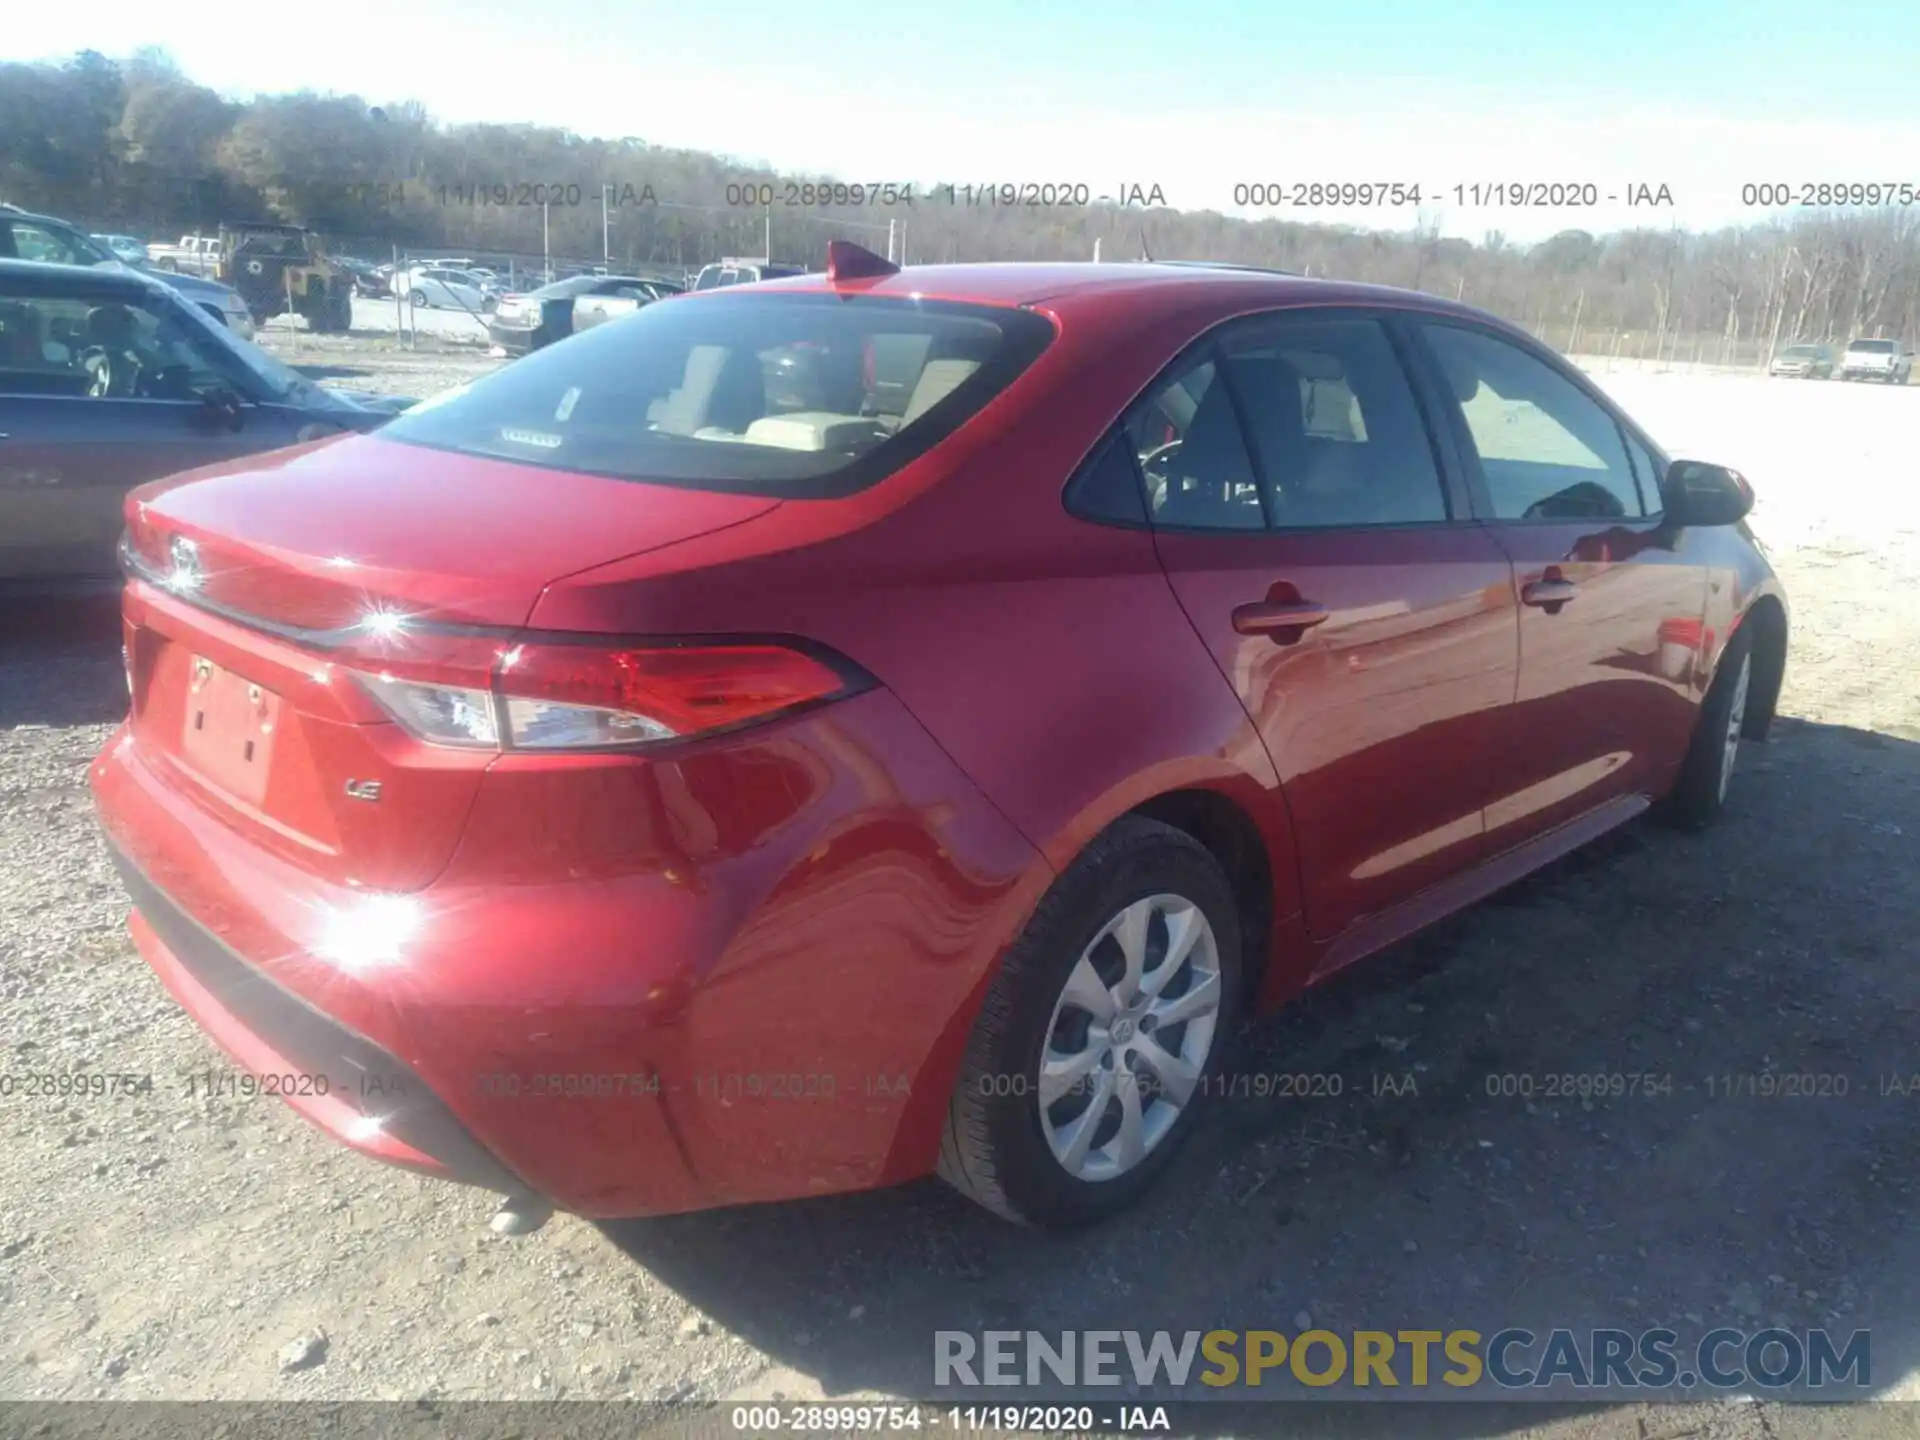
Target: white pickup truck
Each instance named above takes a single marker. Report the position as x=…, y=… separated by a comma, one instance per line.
x=1887, y=361
x=194, y=255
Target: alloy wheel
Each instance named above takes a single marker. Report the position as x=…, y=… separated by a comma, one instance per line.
x=1736, y=717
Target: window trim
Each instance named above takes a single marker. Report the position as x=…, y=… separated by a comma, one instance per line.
x=1652, y=506
x=1469, y=455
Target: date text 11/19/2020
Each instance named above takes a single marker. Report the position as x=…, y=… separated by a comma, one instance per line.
x=537, y=194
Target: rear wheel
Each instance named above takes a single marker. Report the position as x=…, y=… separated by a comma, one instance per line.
x=333, y=315
x=1097, y=1046
x=1707, y=773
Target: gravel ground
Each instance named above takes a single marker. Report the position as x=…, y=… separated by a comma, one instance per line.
x=168, y=1246
x=381, y=319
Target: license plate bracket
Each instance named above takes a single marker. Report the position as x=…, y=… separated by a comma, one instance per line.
x=229, y=727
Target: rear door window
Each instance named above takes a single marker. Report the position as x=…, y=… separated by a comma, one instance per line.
x=1336, y=431
x=1192, y=454
x=776, y=394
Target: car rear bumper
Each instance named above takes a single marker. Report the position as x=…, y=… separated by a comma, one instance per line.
x=357, y=1092
x=776, y=1008
x=514, y=339
x=519, y=339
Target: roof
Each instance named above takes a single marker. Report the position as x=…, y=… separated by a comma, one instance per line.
x=33, y=214
x=37, y=275
x=1073, y=283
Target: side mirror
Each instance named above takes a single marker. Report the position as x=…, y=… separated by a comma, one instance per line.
x=1696, y=493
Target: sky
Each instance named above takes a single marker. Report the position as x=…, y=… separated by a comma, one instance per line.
x=1196, y=98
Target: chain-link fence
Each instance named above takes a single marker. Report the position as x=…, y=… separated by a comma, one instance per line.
x=396, y=293
x=1607, y=349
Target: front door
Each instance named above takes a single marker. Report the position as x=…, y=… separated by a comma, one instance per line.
x=1369, y=627
x=1611, y=609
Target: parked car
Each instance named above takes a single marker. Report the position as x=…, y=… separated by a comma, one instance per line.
x=191, y=255
x=604, y=304
x=1804, y=362
x=27, y=236
x=635, y=785
x=125, y=248
x=1887, y=361
x=553, y=312
x=109, y=379
x=432, y=288
x=368, y=281
x=723, y=273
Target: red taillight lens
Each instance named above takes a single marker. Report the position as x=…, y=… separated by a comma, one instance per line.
x=685, y=689
x=546, y=695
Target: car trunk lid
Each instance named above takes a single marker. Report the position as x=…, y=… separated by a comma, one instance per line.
x=270, y=582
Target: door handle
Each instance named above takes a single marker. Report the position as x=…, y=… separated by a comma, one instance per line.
x=1550, y=595
x=1267, y=617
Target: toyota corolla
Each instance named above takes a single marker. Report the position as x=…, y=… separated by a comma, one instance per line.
x=828, y=732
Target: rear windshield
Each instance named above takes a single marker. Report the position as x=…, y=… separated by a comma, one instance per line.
x=797, y=395
x=1873, y=347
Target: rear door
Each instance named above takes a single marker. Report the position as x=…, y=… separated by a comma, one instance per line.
x=1311, y=529
x=1611, y=604
x=75, y=435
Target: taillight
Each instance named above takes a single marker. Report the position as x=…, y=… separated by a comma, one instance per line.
x=444, y=714
x=539, y=694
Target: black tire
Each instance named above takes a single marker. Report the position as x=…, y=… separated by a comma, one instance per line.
x=995, y=1150
x=1696, y=799
x=334, y=314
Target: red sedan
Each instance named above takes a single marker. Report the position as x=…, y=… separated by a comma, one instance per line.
x=817, y=734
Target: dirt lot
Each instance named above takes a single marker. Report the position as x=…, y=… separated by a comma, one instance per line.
x=168, y=1247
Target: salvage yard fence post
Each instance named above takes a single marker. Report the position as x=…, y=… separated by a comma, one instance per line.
x=399, y=301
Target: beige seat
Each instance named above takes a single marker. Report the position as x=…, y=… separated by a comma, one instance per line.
x=938, y=379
